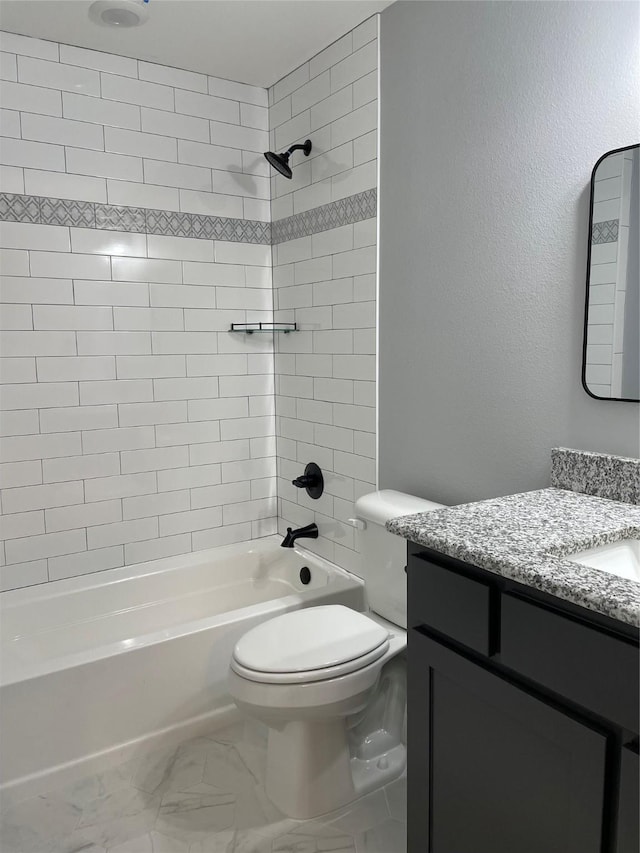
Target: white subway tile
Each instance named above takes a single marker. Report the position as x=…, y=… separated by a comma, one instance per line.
x=216, y=365
x=41, y=497
x=82, y=515
x=249, y=511
x=245, y=299
x=23, y=447
x=251, y=254
x=150, y=367
x=106, y=535
x=169, y=546
x=356, y=262
x=21, y=474
x=48, y=545
x=54, y=75
x=27, y=46
x=215, y=409
x=149, y=505
x=140, y=414
x=116, y=391
x=36, y=155
x=315, y=90
x=187, y=478
x=238, y=91
x=258, y=209
x=246, y=428
x=14, y=262
x=246, y=386
x=126, y=485
x=111, y=293
x=37, y=343
x=11, y=179
x=291, y=82
x=70, y=419
x=365, y=89
x=39, y=290
x=183, y=522
x=219, y=536
x=116, y=88
x=140, y=144
x=143, y=269
x=19, y=421
x=294, y=130
x=356, y=315
x=364, y=393
x=20, y=575
x=85, y=563
x=61, y=317
x=62, y=131
x=92, y=241
x=183, y=248
x=16, y=317
x=26, y=235
x=65, y=186
x=157, y=319
x=313, y=196
x=98, y=111
x=39, y=395
x=184, y=389
x=183, y=342
x=113, y=343
x=175, y=125
x=367, y=31
x=98, y=61
x=187, y=433
x=31, y=99
x=111, y=440
x=10, y=123
x=233, y=183
x=80, y=468
x=218, y=451
x=247, y=469
x=354, y=181
x=135, y=461
x=210, y=107
x=18, y=370
x=210, y=204
x=359, y=63
x=280, y=112
x=333, y=390
x=16, y=524
x=104, y=165
x=182, y=296
x=142, y=195
x=177, y=175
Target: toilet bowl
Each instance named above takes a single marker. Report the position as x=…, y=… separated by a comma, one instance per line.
x=329, y=682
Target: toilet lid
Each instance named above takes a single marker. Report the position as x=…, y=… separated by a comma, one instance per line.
x=322, y=641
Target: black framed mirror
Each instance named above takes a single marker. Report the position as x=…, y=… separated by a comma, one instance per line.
x=611, y=350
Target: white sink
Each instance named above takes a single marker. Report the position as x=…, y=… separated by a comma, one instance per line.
x=618, y=558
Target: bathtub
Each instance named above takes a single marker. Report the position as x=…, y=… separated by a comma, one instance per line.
x=95, y=667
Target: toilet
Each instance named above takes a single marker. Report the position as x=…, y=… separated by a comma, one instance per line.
x=329, y=682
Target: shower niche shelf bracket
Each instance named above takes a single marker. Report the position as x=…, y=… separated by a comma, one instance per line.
x=263, y=328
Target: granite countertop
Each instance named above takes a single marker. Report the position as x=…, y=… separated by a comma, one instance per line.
x=528, y=538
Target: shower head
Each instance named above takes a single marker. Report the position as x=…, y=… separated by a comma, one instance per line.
x=280, y=162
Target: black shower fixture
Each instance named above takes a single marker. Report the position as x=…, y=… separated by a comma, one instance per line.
x=281, y=161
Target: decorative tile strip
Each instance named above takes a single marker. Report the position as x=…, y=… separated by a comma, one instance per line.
x=605, y=232
x=599, y=474
x=85, y=214
x=355, y=208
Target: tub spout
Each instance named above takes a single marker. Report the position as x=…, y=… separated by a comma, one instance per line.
x=308, y=532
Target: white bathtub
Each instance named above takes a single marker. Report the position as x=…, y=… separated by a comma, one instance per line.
x=96, y=666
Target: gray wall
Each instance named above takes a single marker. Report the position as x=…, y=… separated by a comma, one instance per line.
x=492, y=117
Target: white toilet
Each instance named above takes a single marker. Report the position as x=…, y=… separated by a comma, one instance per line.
x=328, y=681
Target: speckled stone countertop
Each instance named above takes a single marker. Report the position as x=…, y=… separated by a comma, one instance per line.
x=529, y=538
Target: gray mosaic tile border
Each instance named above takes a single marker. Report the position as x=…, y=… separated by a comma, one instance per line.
x=600, y=474
x=85, y=214
x=346, y=211
x=605, y=232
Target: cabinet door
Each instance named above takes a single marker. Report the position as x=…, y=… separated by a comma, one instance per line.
x=492, y=768
x=628, y=818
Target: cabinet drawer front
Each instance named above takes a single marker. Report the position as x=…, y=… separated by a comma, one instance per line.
x=581, y=663
x=450, y=603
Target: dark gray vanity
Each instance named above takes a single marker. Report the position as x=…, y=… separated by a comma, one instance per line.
x=524, y=673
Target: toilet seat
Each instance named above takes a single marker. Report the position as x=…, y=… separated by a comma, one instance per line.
x=309, y=645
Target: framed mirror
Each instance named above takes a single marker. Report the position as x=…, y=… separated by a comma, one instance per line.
x=611, y=352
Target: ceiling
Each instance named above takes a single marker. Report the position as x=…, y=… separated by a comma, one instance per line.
x=250, y=41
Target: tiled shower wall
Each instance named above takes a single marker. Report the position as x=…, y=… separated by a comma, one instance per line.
x=134, y=425
x=324, y=276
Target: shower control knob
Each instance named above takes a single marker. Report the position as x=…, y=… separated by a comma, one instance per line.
x=312, y=480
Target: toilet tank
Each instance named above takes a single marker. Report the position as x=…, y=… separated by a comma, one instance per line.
x=383, y=555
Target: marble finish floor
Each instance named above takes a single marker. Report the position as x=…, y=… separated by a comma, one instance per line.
x=203, y=796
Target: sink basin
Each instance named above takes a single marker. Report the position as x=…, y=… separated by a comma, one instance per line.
x=618, y=558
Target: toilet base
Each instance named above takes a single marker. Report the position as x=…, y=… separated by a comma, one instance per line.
x=310, y=771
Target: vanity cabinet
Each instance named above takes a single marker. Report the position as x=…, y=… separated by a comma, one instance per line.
x=522, y=718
